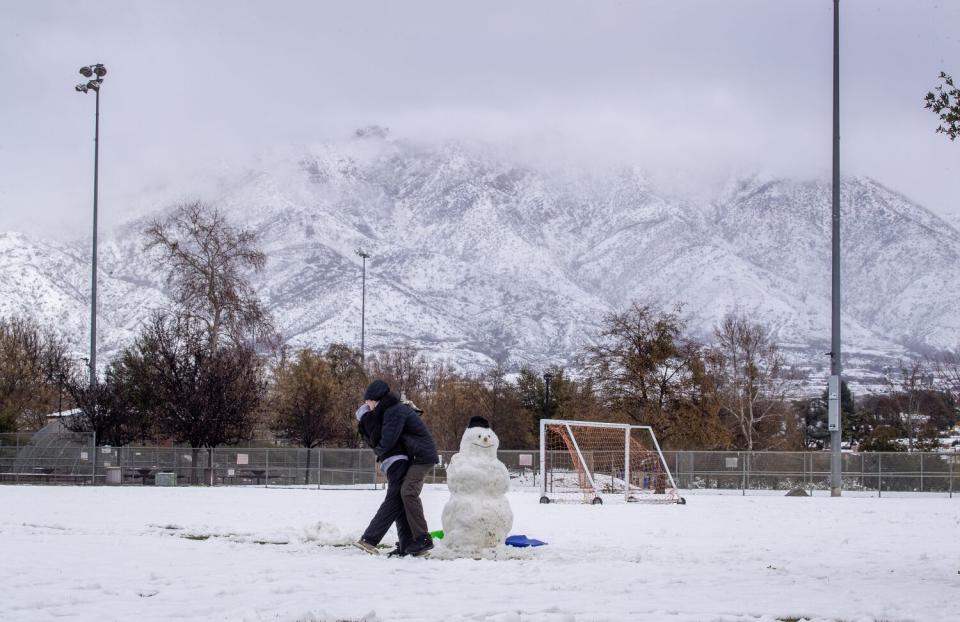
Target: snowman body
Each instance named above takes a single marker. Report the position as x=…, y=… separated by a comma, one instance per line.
x=478, y=515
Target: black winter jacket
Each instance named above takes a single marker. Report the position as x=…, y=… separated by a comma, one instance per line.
x=370, y=428
x=403, y=427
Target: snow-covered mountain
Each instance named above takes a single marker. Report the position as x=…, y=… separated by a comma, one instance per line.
x=479, y=259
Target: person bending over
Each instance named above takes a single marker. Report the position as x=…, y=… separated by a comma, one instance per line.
x=393, y=464
x=403, y=427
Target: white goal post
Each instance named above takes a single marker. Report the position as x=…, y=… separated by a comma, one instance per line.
x=585, y=461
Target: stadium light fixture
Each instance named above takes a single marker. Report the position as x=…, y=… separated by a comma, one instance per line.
x=89, y=71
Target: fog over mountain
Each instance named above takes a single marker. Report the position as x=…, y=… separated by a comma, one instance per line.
x=482, y=260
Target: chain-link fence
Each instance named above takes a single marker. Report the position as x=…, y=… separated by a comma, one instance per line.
x=768, y=470
x=74, y=459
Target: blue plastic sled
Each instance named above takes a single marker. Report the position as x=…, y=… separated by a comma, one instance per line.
x=522, y=541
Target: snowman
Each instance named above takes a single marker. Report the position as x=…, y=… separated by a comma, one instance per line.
x=477, y=517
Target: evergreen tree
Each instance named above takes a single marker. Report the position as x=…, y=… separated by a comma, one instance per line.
x=816, y=419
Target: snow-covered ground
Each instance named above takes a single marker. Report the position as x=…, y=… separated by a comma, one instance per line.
x=257, y=554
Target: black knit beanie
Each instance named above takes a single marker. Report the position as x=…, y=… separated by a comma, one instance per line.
x=477, y=421
x=376, y=391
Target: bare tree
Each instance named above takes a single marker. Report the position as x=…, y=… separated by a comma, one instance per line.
x=944, y=101
x=349, y=382
x=746, y=364
x=644, y=369
x=208, y=259
x=500, y=405
x=303, y=400
x=103, y=409
x=636, y=358
x=914, y=400
x=196, y=394
x=448, y=407
x=947, y=367
x=404, y=369
x=33, y=367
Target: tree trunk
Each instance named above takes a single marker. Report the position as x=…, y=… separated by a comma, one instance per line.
x=306, y=470
x=194, y=458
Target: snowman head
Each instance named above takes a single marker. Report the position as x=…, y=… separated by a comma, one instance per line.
x=479, y=439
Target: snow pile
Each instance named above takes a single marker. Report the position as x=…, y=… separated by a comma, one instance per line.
x=325, y=534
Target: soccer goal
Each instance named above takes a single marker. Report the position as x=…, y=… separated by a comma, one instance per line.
x=585, y=461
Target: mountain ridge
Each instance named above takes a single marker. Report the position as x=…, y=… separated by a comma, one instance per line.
x=484, y=261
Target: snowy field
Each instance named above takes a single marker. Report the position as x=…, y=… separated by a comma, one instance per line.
x=256, y=554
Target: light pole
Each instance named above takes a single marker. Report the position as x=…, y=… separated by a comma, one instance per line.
x=547, y=377
x=833, y=391
x=94, y=84
x=363, y=306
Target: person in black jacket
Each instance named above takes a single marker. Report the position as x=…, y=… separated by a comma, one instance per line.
x=393, y=464
x=402, y=427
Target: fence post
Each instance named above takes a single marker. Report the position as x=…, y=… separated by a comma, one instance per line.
x=921, y=471
x=879, y=474
x=93, y=478
x=676, y=468
x=266, y=477
x=743, y=478
x=320, y=469
x=953, y=459
x=746, y=481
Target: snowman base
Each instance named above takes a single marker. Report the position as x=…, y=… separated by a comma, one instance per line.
x=498, y=553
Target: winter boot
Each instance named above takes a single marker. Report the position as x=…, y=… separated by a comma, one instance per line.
x=397, y=552
x=421, y=546
x=366, y=546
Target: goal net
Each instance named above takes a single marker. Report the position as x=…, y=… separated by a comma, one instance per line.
x=587, y=462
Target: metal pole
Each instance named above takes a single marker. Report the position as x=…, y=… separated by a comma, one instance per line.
x=543, y=459
x=363, y=305
x=93, y=280
x=879, y=475
x=363, y=314
x=626, y=463
x=835, y=367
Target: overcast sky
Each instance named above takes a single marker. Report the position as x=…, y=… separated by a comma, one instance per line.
x=697, y=90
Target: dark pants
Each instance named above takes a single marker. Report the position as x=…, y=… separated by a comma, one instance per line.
x=391, y=510
x=410, y=493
